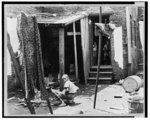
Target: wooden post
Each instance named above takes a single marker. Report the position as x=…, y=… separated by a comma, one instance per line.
x=75, y=51
x=128, y=39
x=99, y=58
x=61, y=55
x=91, y=43
x=128, y=34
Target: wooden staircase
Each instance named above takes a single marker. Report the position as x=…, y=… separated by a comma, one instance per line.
x=105, y=74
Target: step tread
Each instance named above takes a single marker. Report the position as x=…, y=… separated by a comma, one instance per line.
x=104, y=72
x=106, y=78
x=103, y=67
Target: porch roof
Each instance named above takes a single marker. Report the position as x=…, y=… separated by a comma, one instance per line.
x=65, y=20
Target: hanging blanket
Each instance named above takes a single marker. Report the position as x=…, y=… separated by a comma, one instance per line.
x=30, y=47
x=105, y=30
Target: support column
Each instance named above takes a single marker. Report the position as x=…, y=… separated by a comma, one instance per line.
x=75, y=51
x=129, y=39
x=61, y=55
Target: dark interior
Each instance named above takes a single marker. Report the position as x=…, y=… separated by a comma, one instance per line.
x=104, y=60
x=50, y=49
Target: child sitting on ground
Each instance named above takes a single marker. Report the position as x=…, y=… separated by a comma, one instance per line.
x=68, y=93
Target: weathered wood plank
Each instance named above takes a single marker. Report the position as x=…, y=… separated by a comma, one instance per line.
x=91, y=42
x=83, y=39
x=70, y=20
x=128, y=34
x=75, y=51
x=71, y=33
x=61, y=54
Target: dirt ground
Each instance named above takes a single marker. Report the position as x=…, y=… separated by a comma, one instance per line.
x=106, y=104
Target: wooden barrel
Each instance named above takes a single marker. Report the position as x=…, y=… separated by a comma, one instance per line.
x=132, y=83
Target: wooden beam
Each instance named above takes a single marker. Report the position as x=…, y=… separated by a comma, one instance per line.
x=70, y=20
x=71, y=33
x=99, y=58
x=128, y=33
x=61, y=54
x=91, y=42
x=75, y=51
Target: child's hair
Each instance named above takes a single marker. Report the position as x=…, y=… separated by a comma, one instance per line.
x=65, y=76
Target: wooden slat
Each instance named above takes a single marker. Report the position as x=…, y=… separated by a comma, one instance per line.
x=128, y=34
x=103, y=67
x=87, y=46
x=71, y=33
x=75, y=51
x=70, y=20
x=61, y=54
x=82, y=27
x=91, y=42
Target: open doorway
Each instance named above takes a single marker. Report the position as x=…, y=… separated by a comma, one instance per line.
x=50, y=51
x=105, y=51
x=105, y=43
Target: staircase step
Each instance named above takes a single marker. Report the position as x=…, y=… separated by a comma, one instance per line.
x=103, y=67
x=100, y=81
x=101, y=74
x=101, y=78
x=105, y=74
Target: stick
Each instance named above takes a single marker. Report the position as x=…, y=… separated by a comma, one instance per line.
x=58, y=97
x=99, y=60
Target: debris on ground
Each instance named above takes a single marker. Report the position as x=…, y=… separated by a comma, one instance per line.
x=112, y=99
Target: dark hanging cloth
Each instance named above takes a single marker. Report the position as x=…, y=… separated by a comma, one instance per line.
x=30, y=47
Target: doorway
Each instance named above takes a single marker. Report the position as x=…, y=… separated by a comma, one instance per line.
x=105, y=43
x=50, y=50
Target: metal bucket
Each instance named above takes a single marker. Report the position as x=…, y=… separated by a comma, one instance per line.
x=132, y=83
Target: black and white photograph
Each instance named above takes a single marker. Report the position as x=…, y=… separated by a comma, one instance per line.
x=74, y=59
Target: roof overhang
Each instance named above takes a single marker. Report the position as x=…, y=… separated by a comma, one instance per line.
x=62, y=22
